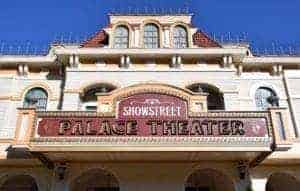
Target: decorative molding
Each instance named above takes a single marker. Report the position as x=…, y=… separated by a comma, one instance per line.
x=257, y=85
x=130, y=33
x=160, y=30
x=217, y=114
x=40, y=84
x=112, y=98
x=155, y=141
x=6, y=97
x=72, y=91
x=86, y=85
x=188, y=30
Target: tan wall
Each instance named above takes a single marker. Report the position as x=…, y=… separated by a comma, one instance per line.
x=134, y=176
x=139, y=176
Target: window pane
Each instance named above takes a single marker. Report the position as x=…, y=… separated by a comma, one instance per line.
x=261, y=98
x=151, y=36
x=36, y=97
x=180, y=37
x=121, y=37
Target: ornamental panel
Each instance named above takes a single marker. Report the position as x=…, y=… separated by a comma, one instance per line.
x=153, y=114
x=155, y=118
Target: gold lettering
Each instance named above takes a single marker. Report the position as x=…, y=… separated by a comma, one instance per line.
x=237, y=128
x=131, y=128
x=105, y=128
x=169, y=127
x=118, y=128
x=197, y=128
x=183, y=128
x=77, y=128
x=153, y=126
x=63, y=126
x=224, y=128
x=89, y=128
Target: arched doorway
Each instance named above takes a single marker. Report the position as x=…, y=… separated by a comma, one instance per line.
x=282, y=182
x=208, y=180
x=19, y=183
x=95, y=180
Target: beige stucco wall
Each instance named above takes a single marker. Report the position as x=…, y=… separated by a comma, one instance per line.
x=238, y=90
x=138, y=176
x=148, y=176
x=12, y=91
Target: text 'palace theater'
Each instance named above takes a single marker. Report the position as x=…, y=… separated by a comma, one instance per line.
x=149, y=103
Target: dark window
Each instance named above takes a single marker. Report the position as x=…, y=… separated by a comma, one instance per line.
x=95, y=180
x=91, y=108
x=103, y=189
x=215, y=100
x=89, y=93
x=197, y=189
x=208, y=180
x=19, y=183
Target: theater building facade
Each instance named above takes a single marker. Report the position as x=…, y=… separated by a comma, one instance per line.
x=149, y=103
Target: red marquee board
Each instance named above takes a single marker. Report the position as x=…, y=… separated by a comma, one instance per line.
x=152, y=115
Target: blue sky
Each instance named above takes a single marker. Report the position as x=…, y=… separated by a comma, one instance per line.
x=44, y=20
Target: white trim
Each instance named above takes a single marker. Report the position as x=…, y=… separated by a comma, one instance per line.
x=156, y=52
x=253, y=144
x=257, y=85
x=147, y=69
x=271, y=60
x=27, y=59
x=29, y=88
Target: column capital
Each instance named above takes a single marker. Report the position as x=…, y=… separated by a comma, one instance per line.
x=166, y=27
x=136, y=26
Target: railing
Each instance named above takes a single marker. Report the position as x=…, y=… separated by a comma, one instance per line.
x=258, y=47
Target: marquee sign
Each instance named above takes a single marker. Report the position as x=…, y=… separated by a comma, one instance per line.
x=152, y=114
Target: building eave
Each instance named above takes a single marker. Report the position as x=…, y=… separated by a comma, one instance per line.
x=271, y=60
x=160, y=52
x=32, y=60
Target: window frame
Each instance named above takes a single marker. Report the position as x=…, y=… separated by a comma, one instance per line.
x=186, y=38
x=151, y=38
x=26, y=100
x=260, y=106
x=214, y=95
x=121, y=44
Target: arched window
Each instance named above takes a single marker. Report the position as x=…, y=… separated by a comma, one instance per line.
x=215, y=99
x=180, y=37
x=282, y=181
x=151, y=36
x=209, y=179
x=36, y=97
x=89, y=95
x=18, y=183
x=121, y=37
x=265, y=97
x=95, y=180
